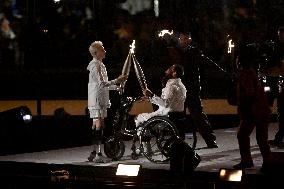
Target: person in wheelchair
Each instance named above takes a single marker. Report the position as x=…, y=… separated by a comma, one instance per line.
x=171, y=100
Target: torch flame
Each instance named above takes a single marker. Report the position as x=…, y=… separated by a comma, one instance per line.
x=132, y=46
x=231, y=45
x=163, y=32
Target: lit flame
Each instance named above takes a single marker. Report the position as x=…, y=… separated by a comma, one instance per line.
x=132, y=46
x=163, y=32
x=230, y=46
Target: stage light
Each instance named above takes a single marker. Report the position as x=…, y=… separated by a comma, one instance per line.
x=128, y=169
x=19, y=114
x=267, y=89
x=231, y=175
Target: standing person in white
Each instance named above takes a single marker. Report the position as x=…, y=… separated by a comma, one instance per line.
x=98, y=96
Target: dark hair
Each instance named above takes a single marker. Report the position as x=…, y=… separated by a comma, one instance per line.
x=179, y=70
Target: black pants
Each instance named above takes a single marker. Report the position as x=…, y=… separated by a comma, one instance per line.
x=202, y=124
x=179, y=119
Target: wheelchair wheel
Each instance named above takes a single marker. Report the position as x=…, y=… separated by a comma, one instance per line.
x=114, y=148
x=155, y=137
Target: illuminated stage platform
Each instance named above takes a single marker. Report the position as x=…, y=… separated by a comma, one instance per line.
x=44, y=169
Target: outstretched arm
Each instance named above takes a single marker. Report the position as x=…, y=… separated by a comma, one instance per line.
x=165, y=99
x=105, y=83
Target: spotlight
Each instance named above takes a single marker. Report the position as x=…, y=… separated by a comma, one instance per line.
x=267, y=89
x=231, y=175
x=19, y=114
x=128, y=169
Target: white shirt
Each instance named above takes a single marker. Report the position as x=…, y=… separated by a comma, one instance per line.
x=99, y=86
x=172, y=100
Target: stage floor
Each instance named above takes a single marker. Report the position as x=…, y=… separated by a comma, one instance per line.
x=225, y=156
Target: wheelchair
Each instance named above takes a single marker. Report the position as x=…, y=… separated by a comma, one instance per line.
x=154, y=140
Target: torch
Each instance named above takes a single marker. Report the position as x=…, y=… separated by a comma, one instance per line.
x=163, y=32
x=231, y=45
x=139, y=74
x=127, y=65
x=138, y=70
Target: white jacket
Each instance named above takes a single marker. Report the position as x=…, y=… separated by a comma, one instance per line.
x=99, y=86
x=172, y=100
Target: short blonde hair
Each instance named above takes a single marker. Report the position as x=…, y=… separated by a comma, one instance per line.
x=94, y=47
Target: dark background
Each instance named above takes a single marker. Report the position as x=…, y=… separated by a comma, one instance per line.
x=49, y=55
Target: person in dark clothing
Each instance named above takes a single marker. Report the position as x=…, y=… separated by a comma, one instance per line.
x=254, y=112
x=278, y=59
x=191, y=59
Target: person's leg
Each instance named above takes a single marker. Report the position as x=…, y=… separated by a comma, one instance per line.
x=139, y=122
x=280, y=111
x=245, y=129
x=262, y=138
x=99, y=133
x=179, y=119
x=280, y=134
x=97, y=129
x=201, y=122
x=98, y=116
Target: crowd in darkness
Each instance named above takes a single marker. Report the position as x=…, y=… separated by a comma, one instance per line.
x=46, y=35
x=49, y=34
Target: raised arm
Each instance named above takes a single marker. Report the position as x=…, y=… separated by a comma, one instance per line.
x=166, y=98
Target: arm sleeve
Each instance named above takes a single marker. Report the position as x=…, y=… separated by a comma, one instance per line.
x=166, y=97
x=101, y=83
